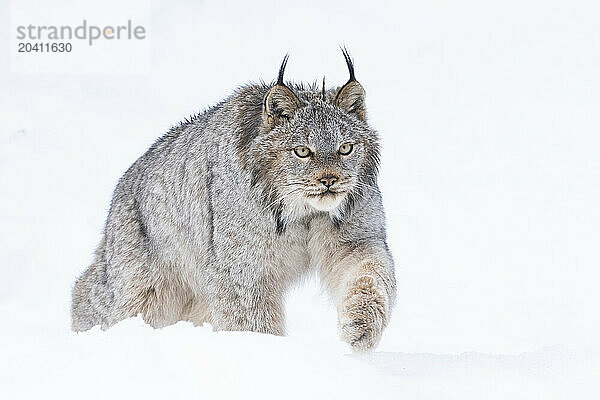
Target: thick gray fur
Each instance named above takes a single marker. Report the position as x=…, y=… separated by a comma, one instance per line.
x=220, y=217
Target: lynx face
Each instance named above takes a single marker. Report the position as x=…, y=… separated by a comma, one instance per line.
x=321, y=154
x=312, y=150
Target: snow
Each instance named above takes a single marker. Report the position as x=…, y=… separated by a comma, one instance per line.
x=488, y=113
x=182, y=361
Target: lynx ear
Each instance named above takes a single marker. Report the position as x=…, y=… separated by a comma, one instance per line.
x=351, y=96
x=280, y=102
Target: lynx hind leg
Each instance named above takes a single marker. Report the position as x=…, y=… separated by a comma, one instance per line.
x=196, y=311
x=101, y=293
x=92, y=300
x=164, y=302
x=96, y=302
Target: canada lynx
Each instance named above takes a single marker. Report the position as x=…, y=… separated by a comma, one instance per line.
x=227, y=210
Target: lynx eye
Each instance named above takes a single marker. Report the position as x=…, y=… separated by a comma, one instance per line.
x=302, y=151
x=346, y=149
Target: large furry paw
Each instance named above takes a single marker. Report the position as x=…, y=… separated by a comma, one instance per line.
x=363, y=315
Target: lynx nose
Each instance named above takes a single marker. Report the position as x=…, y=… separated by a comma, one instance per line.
x=328, y=180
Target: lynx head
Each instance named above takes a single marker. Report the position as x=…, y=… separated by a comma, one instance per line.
x=313, y=150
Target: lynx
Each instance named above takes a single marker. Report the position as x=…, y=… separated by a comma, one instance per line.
x=229, y=209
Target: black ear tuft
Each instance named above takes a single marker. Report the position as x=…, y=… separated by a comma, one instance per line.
x=349, y=63
x=351, y=96
x=280, y=102
x=282, y=70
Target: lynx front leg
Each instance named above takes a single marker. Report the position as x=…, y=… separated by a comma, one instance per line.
x=239, y=308
x=363, y=314
x=364, y=288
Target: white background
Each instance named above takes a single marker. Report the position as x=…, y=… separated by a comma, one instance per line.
x=490, y=123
